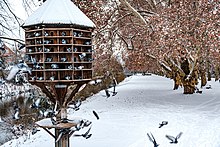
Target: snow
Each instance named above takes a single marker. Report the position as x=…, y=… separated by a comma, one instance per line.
x=59, y=12
x=141, y=104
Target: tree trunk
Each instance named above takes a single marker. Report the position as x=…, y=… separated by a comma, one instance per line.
x=203, y=79
x=176, y=86
x=216, y=73
x=209, y=76
x=177, y=81
x=188, y=86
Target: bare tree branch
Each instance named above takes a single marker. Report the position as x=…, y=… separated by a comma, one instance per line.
x=134, y=12
x=13, y=39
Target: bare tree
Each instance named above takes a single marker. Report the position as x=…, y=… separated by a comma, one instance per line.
x=179, y=35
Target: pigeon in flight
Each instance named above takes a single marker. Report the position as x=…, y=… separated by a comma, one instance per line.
x=34, y=131
x=163, y=123
x=96, y=115
x=174, y=139
x=36, y=103
x=53, y=121
x=85, y=135
x=152, y=139
x=76, y=104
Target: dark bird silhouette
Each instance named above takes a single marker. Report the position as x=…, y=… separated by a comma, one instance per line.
x=209, y=87
x=53, y=121
x=107, y=93
x=96, y=115
x=85, y=135
x=163, y=123
x=75, y=105
x=152, y=139
x=174, y=139
x=34, y=131
x=198, y=91
x=87, y=123
x=80, y=125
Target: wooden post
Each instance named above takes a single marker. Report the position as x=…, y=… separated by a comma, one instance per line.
x=63, y=141
x=60, y=141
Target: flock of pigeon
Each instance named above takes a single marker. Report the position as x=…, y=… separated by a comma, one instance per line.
x=80, y=124
x=173, y=140
x=18, y=71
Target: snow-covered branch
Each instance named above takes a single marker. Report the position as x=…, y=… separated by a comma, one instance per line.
x=13, y=39
x=193, y=64
x=135, y=12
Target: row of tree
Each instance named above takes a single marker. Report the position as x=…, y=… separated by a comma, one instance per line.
x=176, y=38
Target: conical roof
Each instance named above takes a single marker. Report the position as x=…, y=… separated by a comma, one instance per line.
x=58, y=12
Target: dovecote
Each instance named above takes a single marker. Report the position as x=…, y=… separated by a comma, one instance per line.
x=58, y=38
x=59, y=54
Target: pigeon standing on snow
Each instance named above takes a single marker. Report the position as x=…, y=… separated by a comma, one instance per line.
x=163, y=123
x=152, y=139
x=174, y=139
x=114, y=85
x=107, y=93
x=209, y=87
x=198, y=91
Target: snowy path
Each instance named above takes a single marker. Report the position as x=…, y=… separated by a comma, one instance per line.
x=141, y=104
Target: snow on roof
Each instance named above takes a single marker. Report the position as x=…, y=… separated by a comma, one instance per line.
x=58, y=12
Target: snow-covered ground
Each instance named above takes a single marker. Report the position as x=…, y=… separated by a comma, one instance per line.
x=141, y=104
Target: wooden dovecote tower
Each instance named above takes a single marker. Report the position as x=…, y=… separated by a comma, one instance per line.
x=58, y=38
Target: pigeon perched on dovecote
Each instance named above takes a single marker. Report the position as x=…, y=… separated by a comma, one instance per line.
x=82, y=56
